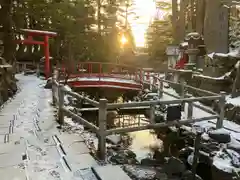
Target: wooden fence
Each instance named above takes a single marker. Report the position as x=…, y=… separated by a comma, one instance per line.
x=59, y=92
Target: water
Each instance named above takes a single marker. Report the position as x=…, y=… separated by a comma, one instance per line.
x=143, y=142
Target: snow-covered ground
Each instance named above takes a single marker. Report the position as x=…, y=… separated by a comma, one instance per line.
x=31, y=146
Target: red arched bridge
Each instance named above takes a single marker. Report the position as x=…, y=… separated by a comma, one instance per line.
x=106, y=75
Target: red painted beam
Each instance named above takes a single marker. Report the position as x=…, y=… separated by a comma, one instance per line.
x=119, y=85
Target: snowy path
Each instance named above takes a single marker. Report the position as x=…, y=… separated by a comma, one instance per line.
x=27, y=126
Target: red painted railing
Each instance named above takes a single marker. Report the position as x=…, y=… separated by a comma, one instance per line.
x=108, y=70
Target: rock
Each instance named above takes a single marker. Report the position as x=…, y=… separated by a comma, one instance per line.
x=48, y=84
x=220, y=135
x=114, y=138
x=174, y=166
x=234, y=146
x=159, y=118
x=150, y=162
x=139, y=172
x=111, y=115
x=29, y=72
x=124, y=157
x=187, y=175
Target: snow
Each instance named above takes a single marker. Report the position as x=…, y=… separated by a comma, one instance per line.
x=107, y=79
x=211, y=55
x=40, y=32
x=67, y=88
x=237, y=64
x=233, y=53
x=234, y=101
x=227, y=160
x=114, y=138
x=184, y=44
x=110, y=172
x=215, y=78
x=31, y=117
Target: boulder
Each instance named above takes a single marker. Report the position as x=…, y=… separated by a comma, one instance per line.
x=174, y=167
x=220, y=135
x=48, y=84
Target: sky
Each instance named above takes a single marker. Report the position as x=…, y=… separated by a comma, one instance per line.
x=145, y=9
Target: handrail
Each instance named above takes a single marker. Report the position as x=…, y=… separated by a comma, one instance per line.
x=103, y=106
x=78, y=96
x=156, y=102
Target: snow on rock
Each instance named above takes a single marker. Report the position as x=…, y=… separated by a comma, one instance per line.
x=234, y=101
x=139, y=172
x=215, y=78
x=114, y=138
x=67, y=88
x=233, y=53
x=226, y=160
x=211, y=55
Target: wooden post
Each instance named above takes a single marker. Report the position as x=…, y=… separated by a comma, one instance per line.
x=60, y=104
x=182, y=95
x=196, y=154
x=152, y=114
x=24, y=67
x=102, y=120
x=160, y=89
x=236, y=81
x=174, y=20
x=190, y=110
x=54, y=86
x=222, y=110
x=182, y=19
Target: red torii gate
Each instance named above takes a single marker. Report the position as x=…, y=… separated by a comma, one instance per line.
x=46, y=34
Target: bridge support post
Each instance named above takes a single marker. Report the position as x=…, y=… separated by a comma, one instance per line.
x=190, y=110
x=160, y=89
x=54, y=87
x=152, y=114
x=182, y=94
x=60, y=104
x=102, y=120
x=222, y=110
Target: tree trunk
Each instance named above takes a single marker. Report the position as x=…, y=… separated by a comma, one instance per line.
x=200, y=16
x=216, y=27
x=99, y=15
x=174, y=21
x=236, y=82
x=182, y=19
x=8, y=37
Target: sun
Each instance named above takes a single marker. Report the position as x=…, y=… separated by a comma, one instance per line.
x=123, y=40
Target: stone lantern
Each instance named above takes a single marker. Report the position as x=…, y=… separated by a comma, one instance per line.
x=194, y=39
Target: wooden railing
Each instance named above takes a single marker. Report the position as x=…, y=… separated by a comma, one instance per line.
x=59, y=91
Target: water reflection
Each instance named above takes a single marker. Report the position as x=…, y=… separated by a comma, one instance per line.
x=143, y=142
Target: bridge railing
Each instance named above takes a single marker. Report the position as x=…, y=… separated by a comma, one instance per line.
x=59, y=91
x=104, y=70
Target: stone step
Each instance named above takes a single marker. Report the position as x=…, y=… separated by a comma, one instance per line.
x=10, y=159
x=12, y=173
x=110, y=172
x=81, y=161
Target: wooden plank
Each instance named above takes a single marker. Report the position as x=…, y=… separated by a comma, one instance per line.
x=110, y=172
